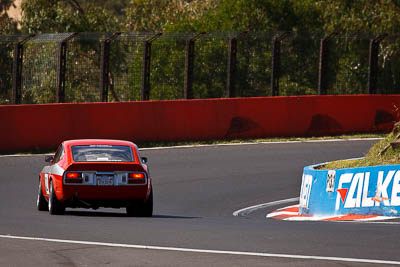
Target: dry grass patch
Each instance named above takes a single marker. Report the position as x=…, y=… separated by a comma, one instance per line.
x=382, y=153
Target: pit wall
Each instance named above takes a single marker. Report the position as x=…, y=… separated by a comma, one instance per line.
x=43, y=126
x=364, y=190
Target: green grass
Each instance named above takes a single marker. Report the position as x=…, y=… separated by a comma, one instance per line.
x=257, y=140
x=217, y=142
x=372, y=158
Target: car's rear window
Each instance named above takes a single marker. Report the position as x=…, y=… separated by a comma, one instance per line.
x=102, y=153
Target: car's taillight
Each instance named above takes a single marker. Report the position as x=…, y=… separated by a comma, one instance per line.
x=73, y=178
x=74, y=175
x=136, y=178
x=136, y=175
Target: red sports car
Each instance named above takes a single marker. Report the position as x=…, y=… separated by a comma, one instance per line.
x=92, y=173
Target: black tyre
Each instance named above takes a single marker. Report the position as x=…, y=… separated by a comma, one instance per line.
x=141, y=208
x=55, y=206
x=41, y=202
x=132, y=208
x=147, y=206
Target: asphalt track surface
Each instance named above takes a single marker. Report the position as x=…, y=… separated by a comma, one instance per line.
x=196, y=190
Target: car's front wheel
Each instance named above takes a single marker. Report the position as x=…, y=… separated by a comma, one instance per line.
x=55, y=206
x=41, y=202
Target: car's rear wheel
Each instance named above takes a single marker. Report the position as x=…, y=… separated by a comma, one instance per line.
x=41, y=202
x=147, y=206
x=141, y=208
x=55, y=206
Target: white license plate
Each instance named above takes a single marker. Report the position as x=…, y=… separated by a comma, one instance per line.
x=105, y=180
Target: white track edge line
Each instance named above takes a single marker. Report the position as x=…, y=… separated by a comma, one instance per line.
x=369, y=221
x=227, y=252
x=227, y=144
x=305, y=219
x=377, y=218
x=248, y=210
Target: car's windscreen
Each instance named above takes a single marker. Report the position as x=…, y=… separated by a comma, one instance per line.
x=102, y=153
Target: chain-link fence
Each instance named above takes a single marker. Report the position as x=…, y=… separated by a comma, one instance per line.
x=91, y=67
x=348, y=63
x=299, y=64
x=253, y=67
x=167, y=63
x=39, y=69
x=7, y=47
x=388, y=81
x=210, y=65
x=126, y=60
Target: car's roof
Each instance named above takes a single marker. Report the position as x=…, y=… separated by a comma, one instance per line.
x=82, y=142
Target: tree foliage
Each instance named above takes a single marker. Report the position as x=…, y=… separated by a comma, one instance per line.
x=158, y=15
x=7, y=24
x=255, y=22
x=376, y=16
x=49, y=16
x=261, y=15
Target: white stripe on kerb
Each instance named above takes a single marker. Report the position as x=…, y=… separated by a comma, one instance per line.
x=288, y=207
x=226, y=252
x=278, y=213
x=248, y=210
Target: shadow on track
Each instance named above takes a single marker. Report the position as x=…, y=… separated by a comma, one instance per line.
x=120, y=215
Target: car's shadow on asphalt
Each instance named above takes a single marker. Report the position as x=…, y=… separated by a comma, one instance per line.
x=121, y=215
x=174, y=217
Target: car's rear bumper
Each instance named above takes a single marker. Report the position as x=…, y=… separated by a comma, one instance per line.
x=104, y=193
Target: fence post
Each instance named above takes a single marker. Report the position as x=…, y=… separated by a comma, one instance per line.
x=17, y=69
x=145, y=92
x=17, y=73
x=104, y=69
x=373, y=63
x=323, y=64
x=105, y=66
x=231, y=69
x=230, y=80
x=276, y=62
x=189, y=66
x=61, y=68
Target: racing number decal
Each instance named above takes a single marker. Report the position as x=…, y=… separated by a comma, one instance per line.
x=330, y=181
x=46, y=183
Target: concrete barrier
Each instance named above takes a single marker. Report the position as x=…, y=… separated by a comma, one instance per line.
x=26, y=127
x=365, y=190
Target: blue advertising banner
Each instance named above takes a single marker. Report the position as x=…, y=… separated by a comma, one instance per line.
x=364, y=190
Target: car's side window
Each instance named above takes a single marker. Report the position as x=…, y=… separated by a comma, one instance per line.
x=59, y=154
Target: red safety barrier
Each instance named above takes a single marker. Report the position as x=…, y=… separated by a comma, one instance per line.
x=26, y=127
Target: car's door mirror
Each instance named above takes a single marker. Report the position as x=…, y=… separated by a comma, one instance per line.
x=48, y=158
x=144, y=160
